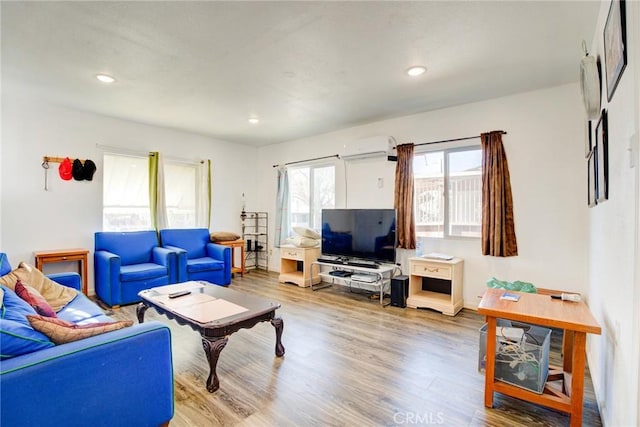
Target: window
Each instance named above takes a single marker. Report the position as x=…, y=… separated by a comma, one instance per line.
x=311, y=189
x=125, y=193
x=448, y=193
x=180, y=194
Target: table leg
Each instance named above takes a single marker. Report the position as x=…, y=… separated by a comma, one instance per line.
x=489, y=370
x=577, y=377
x=567, y=350
x=141, y=309
x=212, y=348
x=278, y=323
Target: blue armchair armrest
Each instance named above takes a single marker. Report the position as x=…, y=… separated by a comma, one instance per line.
x=221, y=253
x=123, y=377
x=107, y=273
x=70, y=280
x=178, y=268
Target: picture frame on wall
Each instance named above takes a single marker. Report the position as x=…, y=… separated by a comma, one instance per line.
x=591, y=179
x=615, y=45
x=602, y=159
x=588, y=145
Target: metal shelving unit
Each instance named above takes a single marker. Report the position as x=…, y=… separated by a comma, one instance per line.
x=255, y=233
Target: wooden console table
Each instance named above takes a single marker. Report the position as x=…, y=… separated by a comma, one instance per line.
x=576, y=320
x=233, y=245
x=65, y=255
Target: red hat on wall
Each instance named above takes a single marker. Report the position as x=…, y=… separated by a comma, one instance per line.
x=66, y=169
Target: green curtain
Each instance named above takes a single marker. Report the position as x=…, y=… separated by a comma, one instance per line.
x=153, y=187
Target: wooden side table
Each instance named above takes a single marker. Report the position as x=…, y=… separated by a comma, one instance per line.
x=576, y=320
x=234, y=245
x=65, y=255
x=291, y=271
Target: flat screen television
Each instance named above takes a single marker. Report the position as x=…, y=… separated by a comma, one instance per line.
x=368, y=234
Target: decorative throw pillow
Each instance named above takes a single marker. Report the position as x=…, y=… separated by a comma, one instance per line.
x=54, y=293
x=307, y=232
x=15, y=308
x=60, y=331
x=34, y=299
x=223, y=236
x=16, y=338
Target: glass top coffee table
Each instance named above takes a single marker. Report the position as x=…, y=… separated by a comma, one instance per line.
x=215, y=312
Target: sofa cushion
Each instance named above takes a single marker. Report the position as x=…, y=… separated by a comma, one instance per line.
x=204, y=264
x=223, y=236
x=54, y=293
x=60, y=331
x=16, y=339
x=130, y=273
x=79, y=310
x=34, y=299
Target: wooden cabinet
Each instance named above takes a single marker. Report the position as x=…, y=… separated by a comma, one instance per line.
x=436, y=284
x=295, y=265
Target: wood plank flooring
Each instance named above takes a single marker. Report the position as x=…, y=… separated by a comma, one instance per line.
x=348, y=362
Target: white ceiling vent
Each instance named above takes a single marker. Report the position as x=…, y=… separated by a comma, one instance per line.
x=377, y=146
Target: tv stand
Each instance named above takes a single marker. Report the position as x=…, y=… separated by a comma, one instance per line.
x=382, y=275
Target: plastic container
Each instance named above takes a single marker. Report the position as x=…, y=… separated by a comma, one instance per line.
x=523, y=364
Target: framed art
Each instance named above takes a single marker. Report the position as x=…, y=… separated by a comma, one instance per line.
x=591, y=179
x=615, y=49
x=602, y=159
x=588, y=146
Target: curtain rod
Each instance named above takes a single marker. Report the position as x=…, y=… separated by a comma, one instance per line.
x=453, y=140
x=309, y=160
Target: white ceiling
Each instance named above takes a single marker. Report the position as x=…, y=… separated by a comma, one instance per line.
x=303, y=68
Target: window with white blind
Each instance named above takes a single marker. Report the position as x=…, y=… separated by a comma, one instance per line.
x=311, y=189
x=448, y=192
x=126, y=193
x=180, y=194
x=125, y=205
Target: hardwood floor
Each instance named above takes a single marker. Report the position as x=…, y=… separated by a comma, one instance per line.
x=348, y=362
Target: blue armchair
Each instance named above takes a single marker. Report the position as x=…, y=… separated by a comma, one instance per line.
x=126, y=263
x=198, y=258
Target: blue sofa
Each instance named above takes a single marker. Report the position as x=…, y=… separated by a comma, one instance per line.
x=198, y=258
x=126, y=263
x=124, y=377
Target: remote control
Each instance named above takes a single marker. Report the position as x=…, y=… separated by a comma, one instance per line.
x=179, y=294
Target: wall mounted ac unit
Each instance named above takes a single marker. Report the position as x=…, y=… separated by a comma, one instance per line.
x=377, y=146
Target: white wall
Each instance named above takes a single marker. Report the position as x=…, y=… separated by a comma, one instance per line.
x=545, y=150
x=69, y=213
x=613, y=254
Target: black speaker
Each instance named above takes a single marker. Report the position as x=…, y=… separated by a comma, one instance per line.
x=399, y=291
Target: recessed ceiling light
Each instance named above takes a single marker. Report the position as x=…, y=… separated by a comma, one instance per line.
x=416, y=71
x=254, y=120
x=105, y=78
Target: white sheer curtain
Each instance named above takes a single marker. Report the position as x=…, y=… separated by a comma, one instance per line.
x=203, y=194
x=283, y=220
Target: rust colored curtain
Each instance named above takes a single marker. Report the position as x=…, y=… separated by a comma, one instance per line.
x=498, y=229
x=403, y=201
